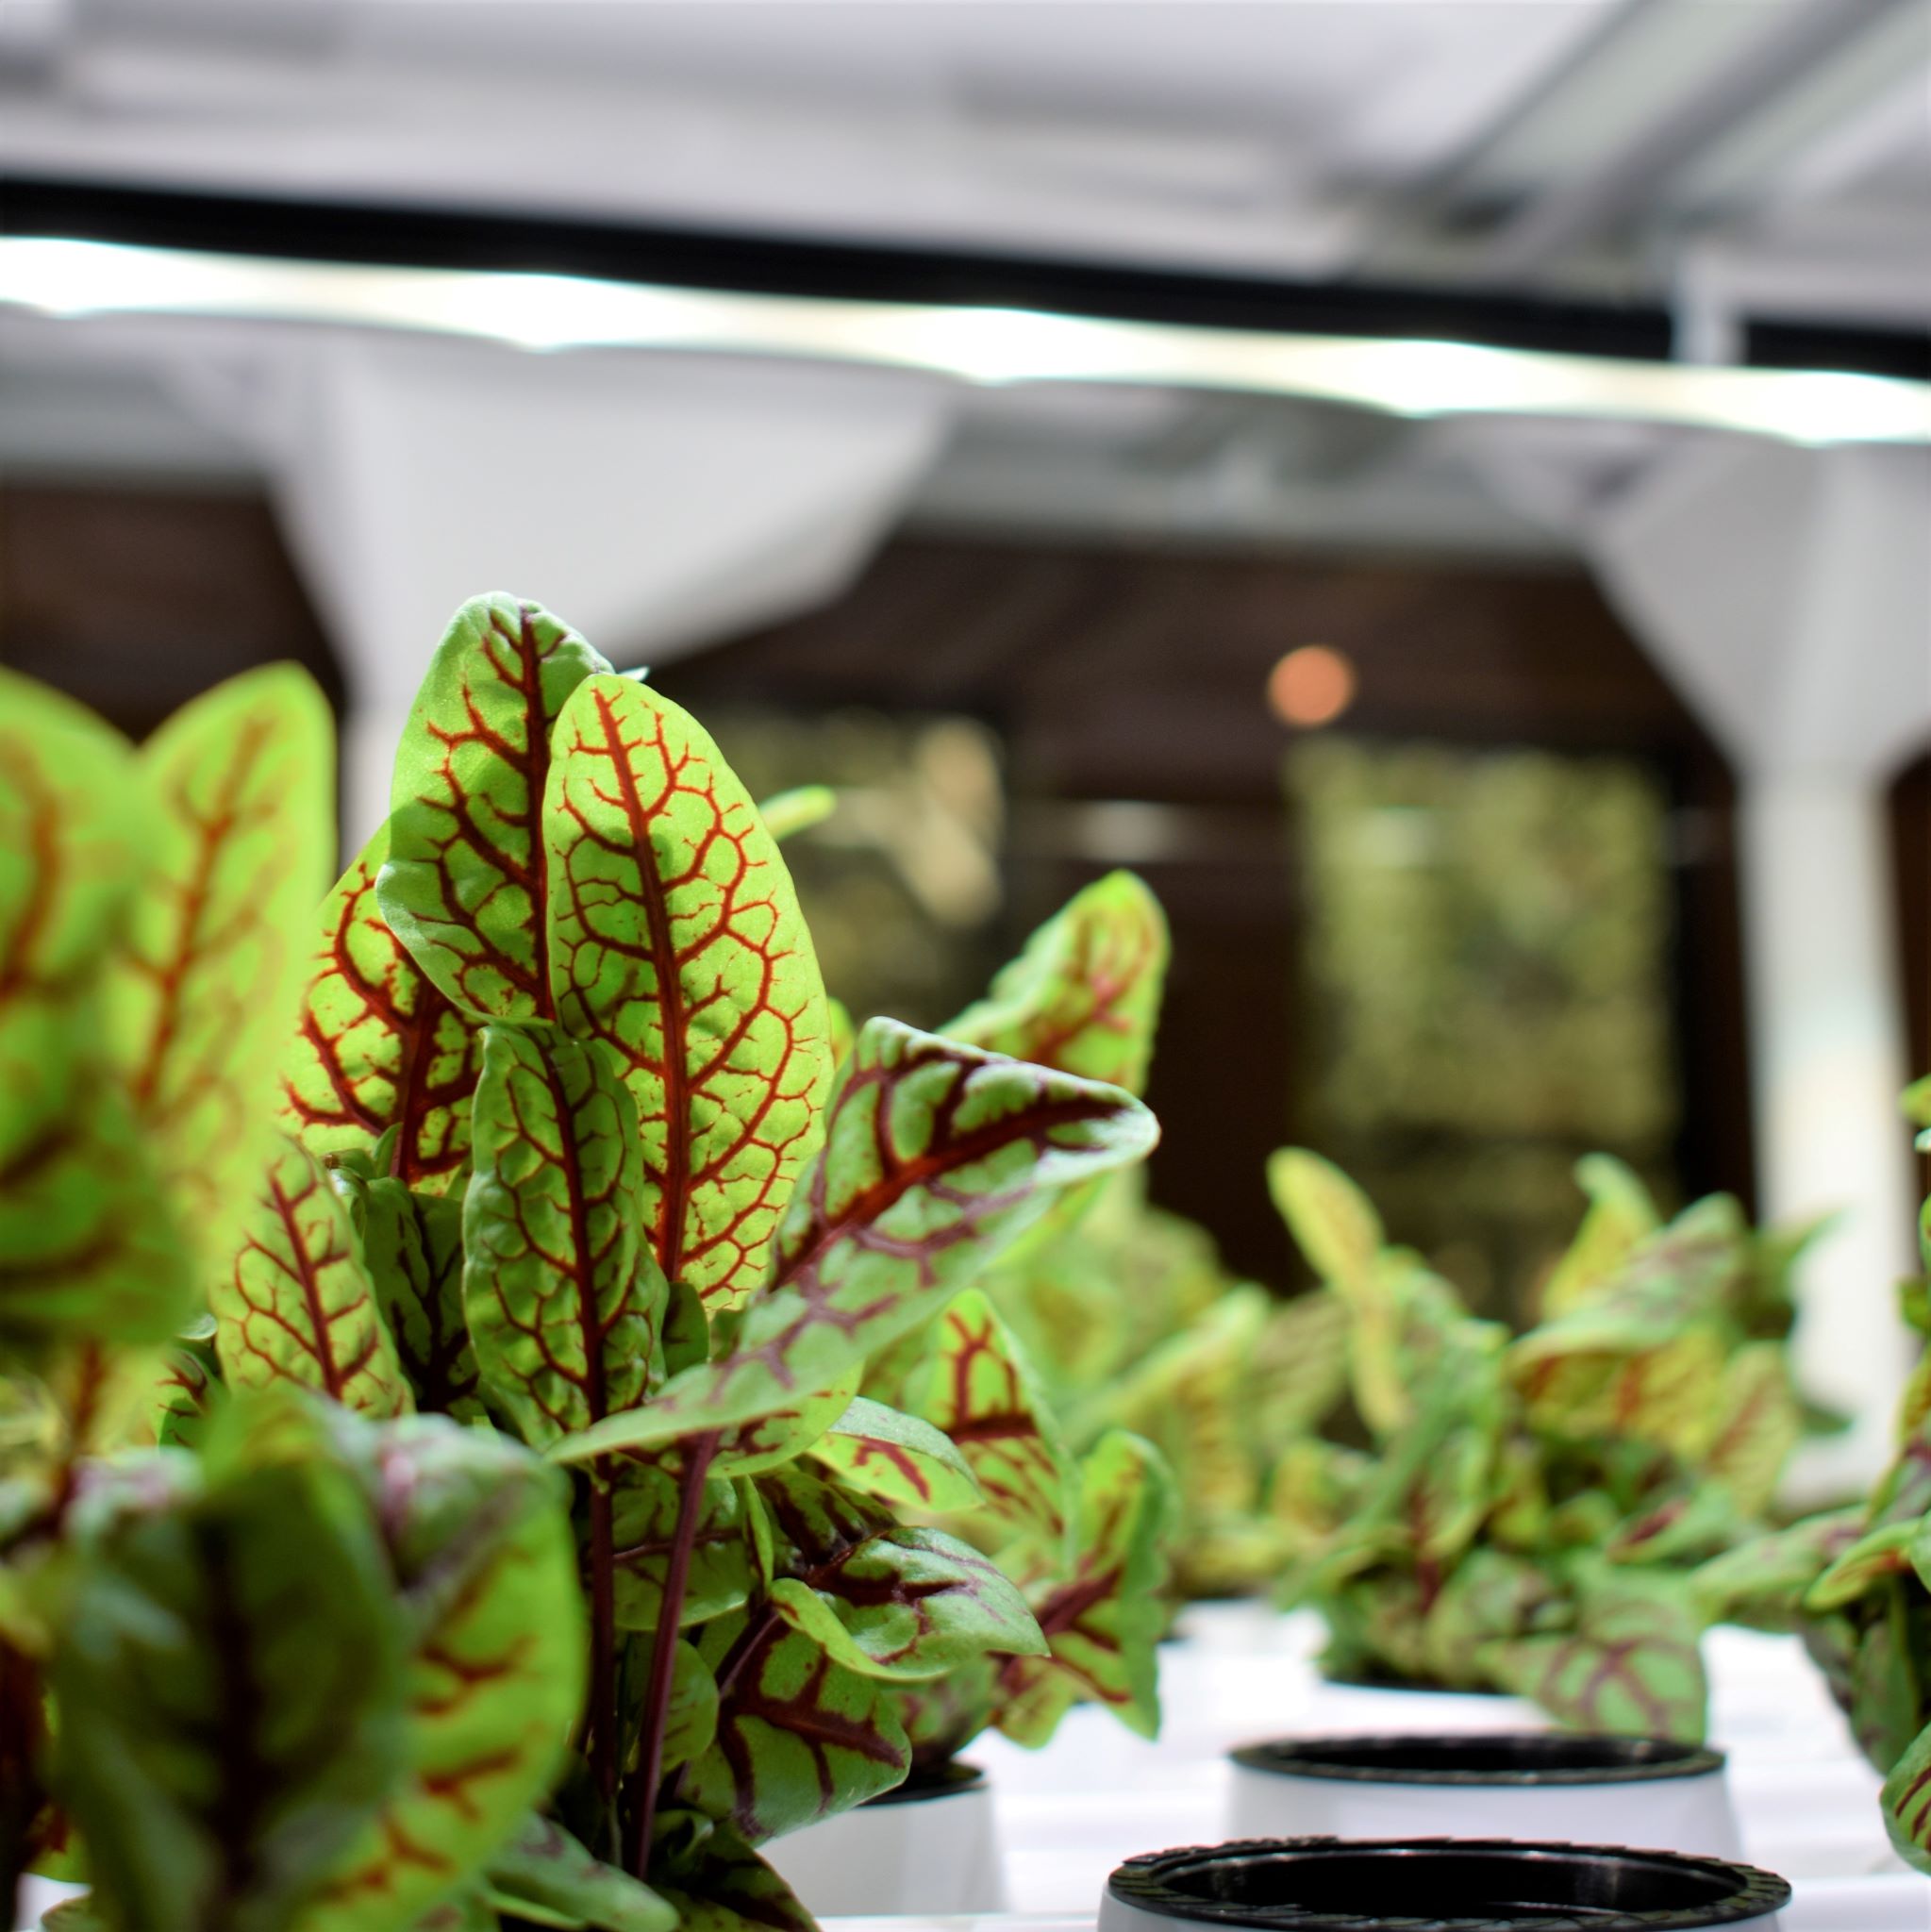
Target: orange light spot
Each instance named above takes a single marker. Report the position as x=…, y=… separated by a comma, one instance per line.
x=1311, y=686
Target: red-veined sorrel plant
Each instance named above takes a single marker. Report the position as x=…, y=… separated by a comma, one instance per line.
x=233, y=1680
x=567, y=1045
x=1083, y=1536
x=561, y=1159
x=1533, y=1509
x=1117, y=1314
x=1856, y=1584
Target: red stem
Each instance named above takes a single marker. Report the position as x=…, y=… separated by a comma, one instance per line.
x=603, y=1640
x=657, y=1697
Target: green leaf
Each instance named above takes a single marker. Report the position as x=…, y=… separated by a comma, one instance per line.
x=1682, y=1529
x=229, y=1682
x=1102, y=1621
x=788, y=813
x=1312, y=1497
x=480, y=1550
x=466, y=884
x=377, y=1045
x=186, y=1395
x=1868, y=1565
x=1621, y=1214
x=1192, y=1397
x=1638, y=1357
x=727, y=1888
x=1631, y=1663
x=88, y=1243
x=1887, y=1699
x=942, y=1715
x=1576, y=1387
x=543, y=1870
x=1488, y=1597
x=295, y=1304
x=684, y=1334
x=1904, y=1492
x=1378, y=1633
x=644, y=1516
x=1433, y=1484
x=883, y=1452
x=799, y=1737
x=564, y=1298
x=1763, y=1583
x=882, y=1599
x=980, y=1390
x=1761, y=1422
x=1332, y=1221
x=691, y=1718
x=936, y=1157
x=1084, y=996
x=411, y=1246
x=1400, y=1312
x=1300, y=1368
x=1906, y=1801
x=240, y=823
x=677, y=942
x=785, y=1434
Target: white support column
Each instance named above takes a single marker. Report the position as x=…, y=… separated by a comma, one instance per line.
x=1788, y=592
x=1826, y=1029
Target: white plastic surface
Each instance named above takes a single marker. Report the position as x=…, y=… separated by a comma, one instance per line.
x=1066, y=1816
x=1669, y=1814
x=938, y=1853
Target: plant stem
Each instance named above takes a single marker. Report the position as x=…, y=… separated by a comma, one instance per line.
x=605, y=1727
x=656, y=1698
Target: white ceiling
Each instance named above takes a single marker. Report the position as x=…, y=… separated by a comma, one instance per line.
x=1608, y=142
x=1772, y=155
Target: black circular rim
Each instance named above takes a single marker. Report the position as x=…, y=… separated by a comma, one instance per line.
x=1549, y=1759
x=948, y=1781
x=1148, y=1884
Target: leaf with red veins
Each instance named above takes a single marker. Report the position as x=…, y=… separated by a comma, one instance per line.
x=799, y=1737
x=883, y=1452
x=296, y=1305
x=377, y=1045
x=722, y=1885
x=186, y=1395
x=465, y=884
x=229, y=1675
x=937, y=1157
x=88, y=1243
x=564, y=1298
x=543, y=1870
x=1762, y=1421
x=1104, y=1621
x=882, y=1599
x=1906, y=1800
x=785, y=1434
x=677, y=941
x=1631, y=1663
x=645, y=1499
x=479, y=1537
x=412, y=1247
x=978, y=1390
x=242, y=802
x=1085, y=994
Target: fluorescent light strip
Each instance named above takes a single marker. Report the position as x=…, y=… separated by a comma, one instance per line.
x=1415, y=379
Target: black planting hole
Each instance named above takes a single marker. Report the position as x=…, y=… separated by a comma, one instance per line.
x=1523, y=1758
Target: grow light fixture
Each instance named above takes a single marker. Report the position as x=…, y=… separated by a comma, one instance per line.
x=977, y=345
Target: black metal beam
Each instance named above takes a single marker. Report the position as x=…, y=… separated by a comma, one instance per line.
x=423, y=236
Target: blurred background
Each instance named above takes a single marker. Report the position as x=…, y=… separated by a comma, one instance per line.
x=1484, y=589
